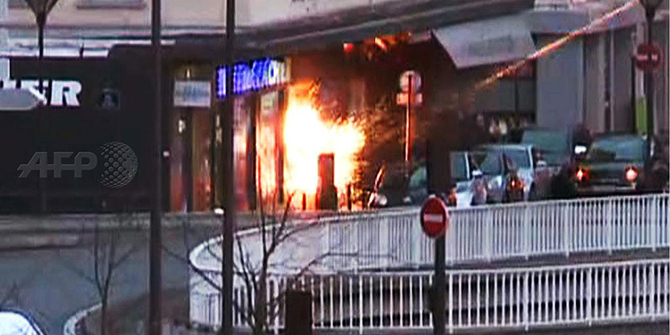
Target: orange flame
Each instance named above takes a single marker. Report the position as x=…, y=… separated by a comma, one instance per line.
x=266, y=163
x=306, y=136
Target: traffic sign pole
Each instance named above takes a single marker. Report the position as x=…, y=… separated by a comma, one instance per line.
x=435, y=170
x=649, y=90
x=408, y=124
x=440, y=282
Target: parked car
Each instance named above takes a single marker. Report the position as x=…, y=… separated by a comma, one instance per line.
x=393, y=187
x=508, y=170
x=470, y=187
x=13, y=323
x=612, y=165
x=390, y=187
x=558, y=147
x=554, y=150
x=654, y=176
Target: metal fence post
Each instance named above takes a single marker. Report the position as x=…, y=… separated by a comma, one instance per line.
x=567, y=233
x=652, y=224
x=610, y=230
x=386, y=241
x=415, y=240
x=526, y=293
x=526, y=232
x=360, y=304
x=450, y=311
x=651, y=275
x=356, y=244
x=589, y=295
x=487, y=234
x=326, y=250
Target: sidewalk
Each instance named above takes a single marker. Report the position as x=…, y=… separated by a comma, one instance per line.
x=130, y=317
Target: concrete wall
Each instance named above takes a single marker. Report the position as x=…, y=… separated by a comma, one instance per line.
x=500, y=96
x=560, y=85
x=622, y=112
x=268, y=11
x=662, y=82
x=179, y=13
x=77, y=14
x=3, y=32
x=594, y=82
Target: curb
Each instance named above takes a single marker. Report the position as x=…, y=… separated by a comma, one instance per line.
x=70, y=327
x=88, y=222
x=38, y=241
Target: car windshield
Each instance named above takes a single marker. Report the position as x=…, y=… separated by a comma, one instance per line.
x=393, y=178
x=419, y=178
x=553, y=145
x=617, y=149
x=546, y=140
x=489, y=162
x=520, y=157
x=459, y=166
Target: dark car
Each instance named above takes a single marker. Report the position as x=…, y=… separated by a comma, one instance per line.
x=390, y=188
x=555, y=151
x=395, y=187
x=558, y=147
x=612, y=165
x=508, y=170
x=654, y=176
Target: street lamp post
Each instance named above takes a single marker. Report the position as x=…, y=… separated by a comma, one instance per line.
x=228, y=174
x=650, y=7
x=155, y=217
x=41, y=10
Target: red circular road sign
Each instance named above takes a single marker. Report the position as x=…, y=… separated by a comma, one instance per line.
x=434, y=217
x=648, y=57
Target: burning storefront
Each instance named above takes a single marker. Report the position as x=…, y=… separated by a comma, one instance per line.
x=280, y=132
x=307, y=122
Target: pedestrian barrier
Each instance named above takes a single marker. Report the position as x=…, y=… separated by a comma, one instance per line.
x=501, y=232
x=515, y=298
x=351, y=247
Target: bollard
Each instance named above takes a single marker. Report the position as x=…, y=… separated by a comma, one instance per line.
x=326, y=193
x=298, y=313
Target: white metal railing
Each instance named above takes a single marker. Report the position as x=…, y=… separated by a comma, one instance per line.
x=518, y=298
x=393, y=239
x=504, y=231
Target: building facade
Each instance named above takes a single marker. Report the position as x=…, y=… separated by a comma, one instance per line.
x=354, y=58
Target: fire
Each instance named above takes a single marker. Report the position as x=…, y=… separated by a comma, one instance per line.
x=266, y=163
x=306, y=136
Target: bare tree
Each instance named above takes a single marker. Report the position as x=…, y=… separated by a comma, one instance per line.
x=108, y=252
x=274, y=228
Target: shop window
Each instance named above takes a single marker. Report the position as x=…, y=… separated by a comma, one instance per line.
x=17, y=4
x=116, y=4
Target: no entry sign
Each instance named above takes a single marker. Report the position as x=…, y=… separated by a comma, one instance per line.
x=434, y=217
x=648, y=57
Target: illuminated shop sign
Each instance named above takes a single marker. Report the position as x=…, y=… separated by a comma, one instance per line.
x=253, y=76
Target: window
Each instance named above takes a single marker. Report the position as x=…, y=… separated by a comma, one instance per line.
x=489, y=163
x=15, y=4
x=617, y=149
x=521, y=158
x=419, y=179
x=459, y=166
x=118, y=4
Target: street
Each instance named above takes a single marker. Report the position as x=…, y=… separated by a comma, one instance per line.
x=49, y=285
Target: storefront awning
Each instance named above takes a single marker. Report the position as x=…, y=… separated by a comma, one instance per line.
x=385, y=17
x=485, y=42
